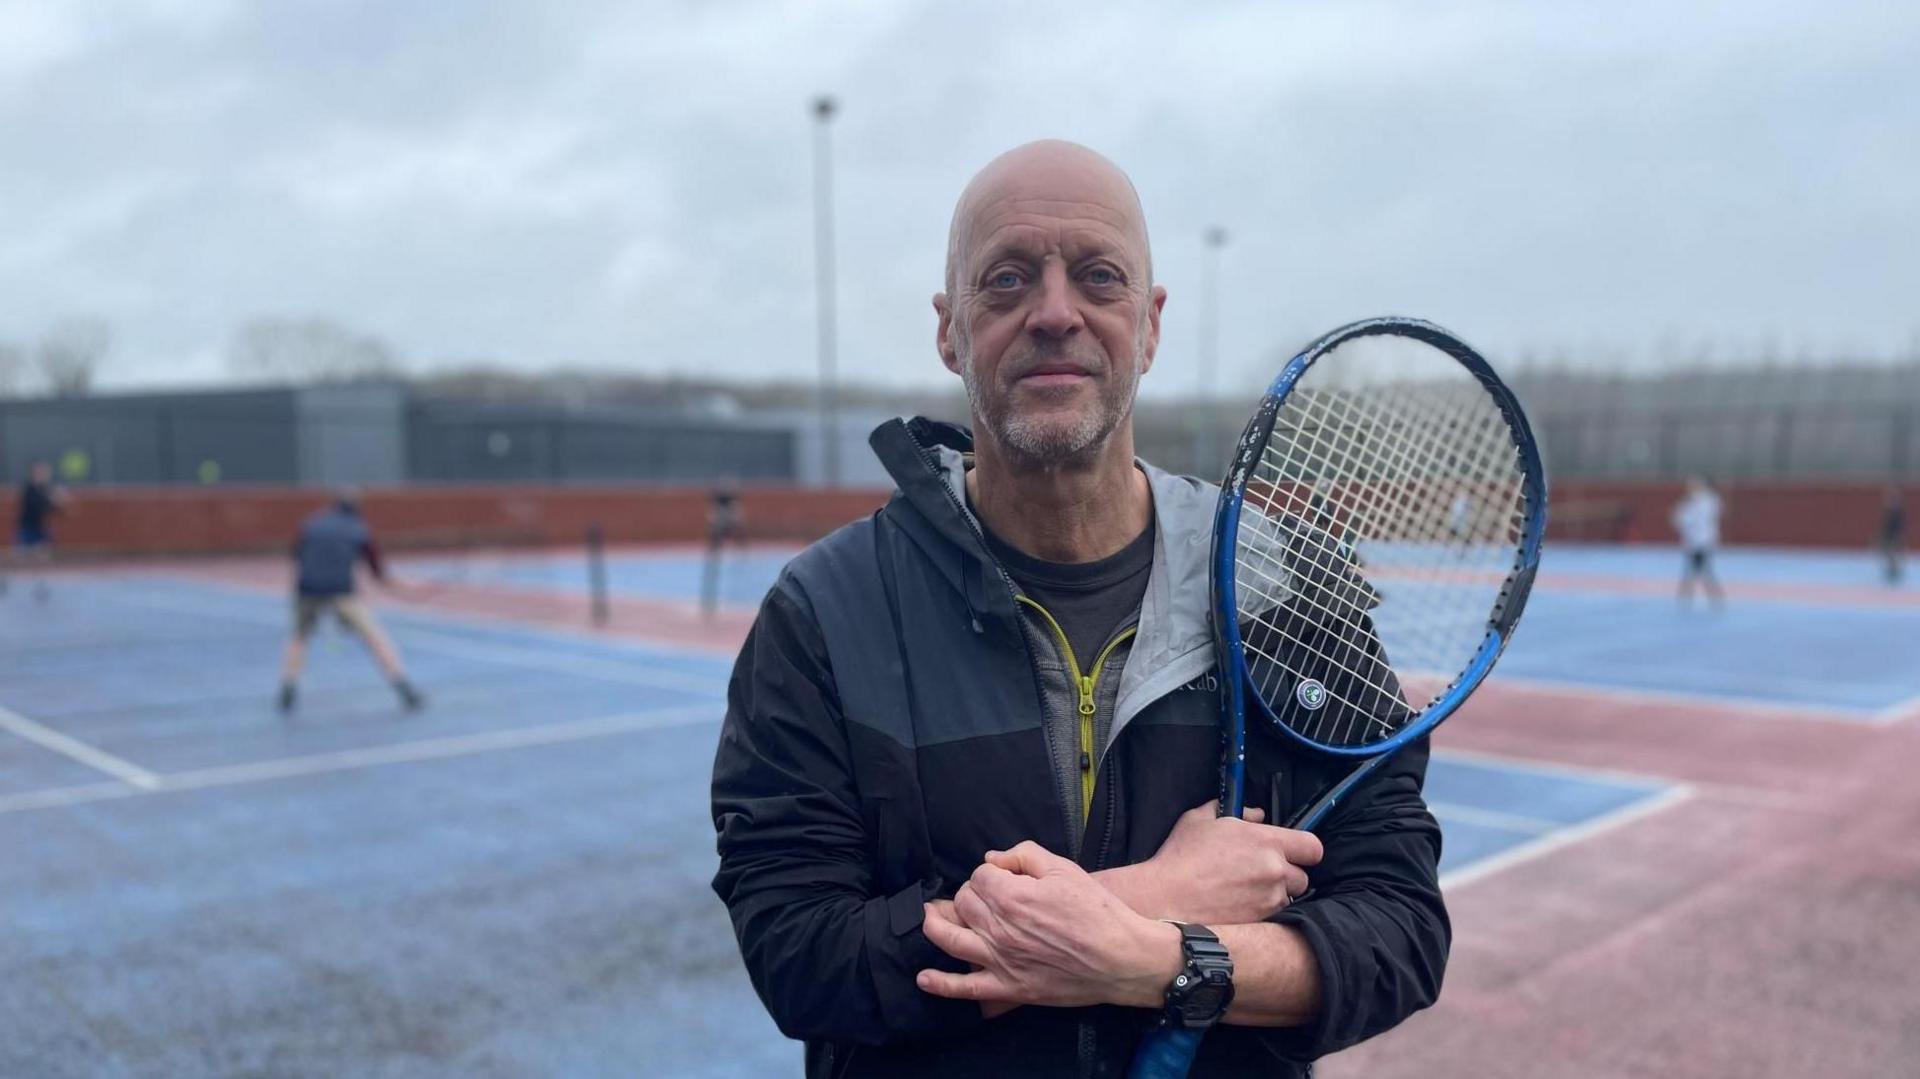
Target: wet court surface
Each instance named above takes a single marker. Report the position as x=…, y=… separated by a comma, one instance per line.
x=515, y=880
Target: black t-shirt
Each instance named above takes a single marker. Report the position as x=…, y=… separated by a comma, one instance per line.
x=36, y=505
x=1090, y=600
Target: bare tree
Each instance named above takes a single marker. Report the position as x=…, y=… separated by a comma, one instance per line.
x=308, y=350
x=70, y=355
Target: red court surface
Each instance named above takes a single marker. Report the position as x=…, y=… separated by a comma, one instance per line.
x=1761, y=926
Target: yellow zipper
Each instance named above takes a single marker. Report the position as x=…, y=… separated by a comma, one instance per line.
x=1087, y=684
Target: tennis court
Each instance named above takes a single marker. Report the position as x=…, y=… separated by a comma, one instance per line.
x=515, y=880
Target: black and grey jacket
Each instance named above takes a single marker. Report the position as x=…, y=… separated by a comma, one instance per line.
x=898, y=710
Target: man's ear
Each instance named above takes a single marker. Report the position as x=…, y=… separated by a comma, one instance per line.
x=943, y=335
x=1154, y=304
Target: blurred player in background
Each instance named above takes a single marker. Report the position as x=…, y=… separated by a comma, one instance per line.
x=330, y=542
x=1460, y=517
x=1892, y=538
x=723, y=527
x=40, y=500
x=1697, y=519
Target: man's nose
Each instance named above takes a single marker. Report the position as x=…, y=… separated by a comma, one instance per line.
x=1055, y=313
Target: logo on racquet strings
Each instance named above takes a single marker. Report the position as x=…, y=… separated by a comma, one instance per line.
x=1311, y=694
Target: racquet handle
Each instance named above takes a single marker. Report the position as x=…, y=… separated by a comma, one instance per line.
x=1165, y=1054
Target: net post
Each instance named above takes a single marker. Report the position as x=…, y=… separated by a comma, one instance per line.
x=597, y=572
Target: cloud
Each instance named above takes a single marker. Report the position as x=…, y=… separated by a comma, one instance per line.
x=629, y=186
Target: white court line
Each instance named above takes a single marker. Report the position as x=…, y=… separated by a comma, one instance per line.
x=1764, y=685
x=459, y=745
x=1898, y=713
x=73, y=749
x=1454, y=813
x=1664, y=697
x=652, y=677
x=66, y=796
x=434, y=641
x=1553, y=841
x=425, y=749
x=412, y=617
x=1582, y=772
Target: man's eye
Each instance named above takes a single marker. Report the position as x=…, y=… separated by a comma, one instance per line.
x=1004, y=279
x=1101, y=275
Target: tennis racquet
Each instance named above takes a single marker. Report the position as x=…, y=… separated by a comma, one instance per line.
x=1375, y=540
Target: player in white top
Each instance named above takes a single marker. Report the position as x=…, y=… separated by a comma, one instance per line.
x=1697, y=519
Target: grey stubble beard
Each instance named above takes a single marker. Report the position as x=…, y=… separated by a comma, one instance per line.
x=1052, y=443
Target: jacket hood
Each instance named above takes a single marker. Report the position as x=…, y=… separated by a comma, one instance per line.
x=927, y=460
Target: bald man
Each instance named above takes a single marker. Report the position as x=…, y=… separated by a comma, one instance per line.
x=965, y=788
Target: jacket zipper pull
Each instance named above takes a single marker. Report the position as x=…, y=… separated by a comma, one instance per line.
x=1086, y=694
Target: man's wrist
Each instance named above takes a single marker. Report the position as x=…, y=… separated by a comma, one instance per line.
x=1135, y=885
x=1161, y=961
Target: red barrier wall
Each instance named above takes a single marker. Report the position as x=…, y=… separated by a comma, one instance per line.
x=172, y=521
x=175, y=521
x=1779, y=514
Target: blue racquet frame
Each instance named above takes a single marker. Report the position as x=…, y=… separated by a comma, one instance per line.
x=1168, y=1053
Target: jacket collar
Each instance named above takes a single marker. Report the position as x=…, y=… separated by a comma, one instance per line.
x=927, y=461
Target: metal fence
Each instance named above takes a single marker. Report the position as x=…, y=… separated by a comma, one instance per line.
x=378, y=435
x=460, y=442
x=1734, y=423
x=226, y=437
x=1780, y=423
x=1857, y=423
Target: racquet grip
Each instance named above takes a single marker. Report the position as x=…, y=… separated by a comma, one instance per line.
x=1165, y=1053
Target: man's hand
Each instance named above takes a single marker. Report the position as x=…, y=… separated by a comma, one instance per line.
x=1215, y=870
x=943, y=910
x=1038, y=929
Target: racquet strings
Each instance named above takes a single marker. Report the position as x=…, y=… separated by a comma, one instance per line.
x=1381, y=524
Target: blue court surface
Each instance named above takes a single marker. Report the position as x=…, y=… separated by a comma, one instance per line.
x=1735, y=565
x=1820, y=647
x=745, y=574
x=515, y=881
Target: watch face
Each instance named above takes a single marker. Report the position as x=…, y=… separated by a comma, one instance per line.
x=1207, y=1000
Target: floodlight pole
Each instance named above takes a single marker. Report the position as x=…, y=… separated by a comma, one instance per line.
x=1209, y=365
x=823, y=110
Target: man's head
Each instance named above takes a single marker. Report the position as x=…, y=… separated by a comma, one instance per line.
x=1050, y=313
x=40, y=472
x=347, y=498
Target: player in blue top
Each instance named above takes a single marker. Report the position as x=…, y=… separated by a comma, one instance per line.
x=40, y=500
x=330, y=543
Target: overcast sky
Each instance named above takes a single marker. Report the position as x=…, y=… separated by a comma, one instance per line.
x=626, y=186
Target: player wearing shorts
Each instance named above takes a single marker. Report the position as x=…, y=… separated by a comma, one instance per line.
x=330, y=544
x=1697, y=520
x=40, y=500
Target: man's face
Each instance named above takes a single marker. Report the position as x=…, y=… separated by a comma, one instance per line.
x=42, y=473
x=1052, y=317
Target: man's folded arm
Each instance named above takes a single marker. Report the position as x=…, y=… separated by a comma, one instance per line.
x=1375, y=921
x=830, y=959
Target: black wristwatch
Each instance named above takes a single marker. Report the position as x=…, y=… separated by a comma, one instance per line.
x=1202, y=990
